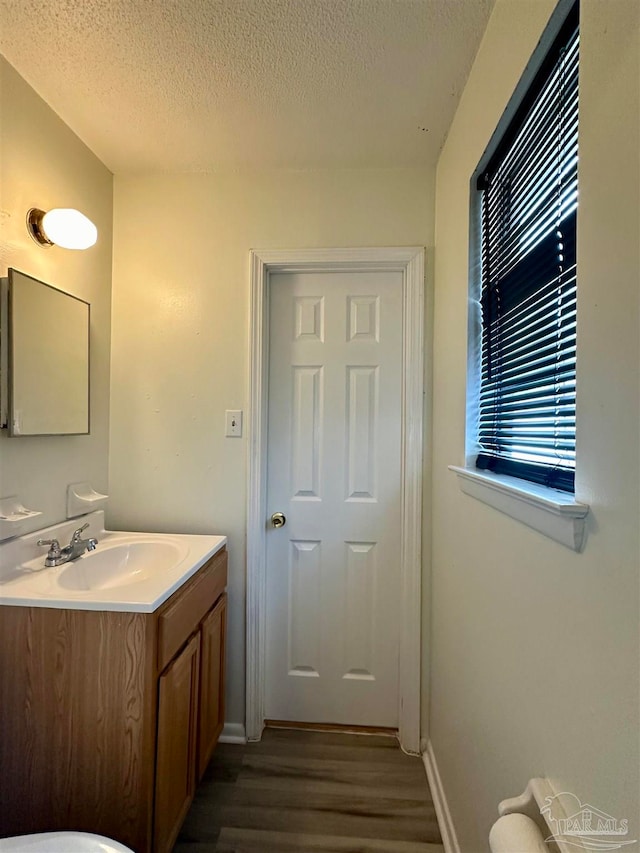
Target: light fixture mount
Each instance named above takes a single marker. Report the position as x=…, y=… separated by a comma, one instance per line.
x=34, y=227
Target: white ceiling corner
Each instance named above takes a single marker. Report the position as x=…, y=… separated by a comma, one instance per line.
x=203, y=85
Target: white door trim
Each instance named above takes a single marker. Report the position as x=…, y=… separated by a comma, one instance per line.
x=410, y=262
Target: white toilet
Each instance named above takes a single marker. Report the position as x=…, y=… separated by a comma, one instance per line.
x=61, y=842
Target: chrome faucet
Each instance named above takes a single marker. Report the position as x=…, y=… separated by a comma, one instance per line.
x=57, y=555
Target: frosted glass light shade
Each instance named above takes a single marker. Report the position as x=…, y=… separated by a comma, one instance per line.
x=62, y=226
x=69, y=228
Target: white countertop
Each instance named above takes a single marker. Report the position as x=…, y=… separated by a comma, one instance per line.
x=24, y=581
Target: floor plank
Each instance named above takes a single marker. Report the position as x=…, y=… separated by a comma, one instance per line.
x=315, y=791
x=331, y=776
x=252, y=841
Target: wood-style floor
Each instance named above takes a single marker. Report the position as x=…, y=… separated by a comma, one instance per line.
x=325, y=792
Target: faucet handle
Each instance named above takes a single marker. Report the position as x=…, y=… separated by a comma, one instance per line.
x=55, y=545
x=76, y=534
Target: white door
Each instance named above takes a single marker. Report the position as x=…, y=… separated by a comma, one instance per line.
x=334, y=471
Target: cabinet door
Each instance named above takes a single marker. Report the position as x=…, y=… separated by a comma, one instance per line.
x=176, y=750
x=211, y=682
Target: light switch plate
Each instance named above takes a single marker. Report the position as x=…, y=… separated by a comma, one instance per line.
x=233, y=423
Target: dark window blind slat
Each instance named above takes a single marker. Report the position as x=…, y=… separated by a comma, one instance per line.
x=526, y=424
x=527, y=345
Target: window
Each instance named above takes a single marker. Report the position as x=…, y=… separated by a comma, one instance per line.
x=528, y=210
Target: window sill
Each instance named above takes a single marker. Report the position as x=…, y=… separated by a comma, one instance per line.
x=553, y=513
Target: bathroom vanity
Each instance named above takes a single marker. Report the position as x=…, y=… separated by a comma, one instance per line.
x=112, y=698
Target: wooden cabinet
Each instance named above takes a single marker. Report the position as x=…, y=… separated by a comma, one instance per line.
x=177, y=743
x=108, y=719
x=211, y=716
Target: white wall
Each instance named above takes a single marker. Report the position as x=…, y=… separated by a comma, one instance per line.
x=43, y=164
x=180, y=326
x=535, y=648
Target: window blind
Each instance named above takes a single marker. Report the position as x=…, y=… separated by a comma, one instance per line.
x=528, y=213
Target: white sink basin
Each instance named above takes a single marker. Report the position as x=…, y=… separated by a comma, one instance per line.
x=121, y=565
x=127, y=571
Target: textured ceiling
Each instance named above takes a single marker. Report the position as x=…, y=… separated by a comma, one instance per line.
x=200, y=85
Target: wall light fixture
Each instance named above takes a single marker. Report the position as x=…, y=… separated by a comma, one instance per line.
x=62, y=226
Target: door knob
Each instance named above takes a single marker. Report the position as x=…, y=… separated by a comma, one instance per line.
x=278, y=519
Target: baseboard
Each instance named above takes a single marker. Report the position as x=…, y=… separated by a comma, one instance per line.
x=233, y=733
x=447, y=829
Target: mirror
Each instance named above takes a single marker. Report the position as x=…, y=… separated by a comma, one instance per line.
x=47, y=355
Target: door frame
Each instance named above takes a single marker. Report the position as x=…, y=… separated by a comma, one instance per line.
x=410, y=262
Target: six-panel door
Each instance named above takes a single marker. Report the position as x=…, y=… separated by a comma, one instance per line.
x=334, y=471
